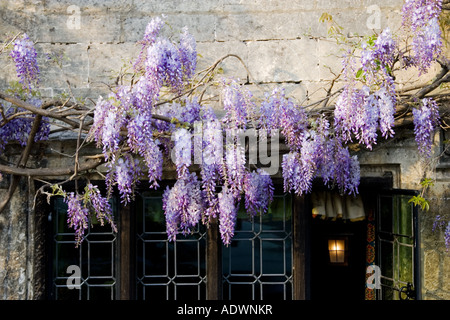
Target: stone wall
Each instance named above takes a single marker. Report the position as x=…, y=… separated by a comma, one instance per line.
x=280, y=42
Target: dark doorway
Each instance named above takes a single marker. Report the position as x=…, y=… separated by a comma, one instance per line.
x=342, y=280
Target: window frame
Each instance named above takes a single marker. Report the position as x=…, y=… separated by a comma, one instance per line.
x=415, y=242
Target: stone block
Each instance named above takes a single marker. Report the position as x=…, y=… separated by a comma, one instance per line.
x=330, y=58
x=106, y=61
x=266, y=5
x=268, y=25
x=431, y=270
x=342, y=5
x=284, y=61
x=201, y=26
x=72, y=65
x=87, y=6
x=446, y=274
x=177, y=6
x=232, y=67
x=383, y=3
x=92, y=28
x=362, y=22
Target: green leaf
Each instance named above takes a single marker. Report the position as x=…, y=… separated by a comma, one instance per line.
x=359, y=73
x=325, y=17
x=427, y=182
x=420, y=201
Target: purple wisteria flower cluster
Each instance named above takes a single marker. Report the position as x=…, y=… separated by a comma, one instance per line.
x=258, y=192
x=426, y=119
x=77, y=216
x=441, y=224
x=212, y=162
x=80, y=207
x=17, y=128
x=126, y=172
x=362, y=111
x=25, y=57
x=421, y=19
x=227, y=215
x=183, y=205
x=125, y=119
x=278, y=113
x=99, y=205
x=237, y=104
x=335, y=166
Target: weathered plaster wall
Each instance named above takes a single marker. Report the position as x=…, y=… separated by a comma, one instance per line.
x=281, y=43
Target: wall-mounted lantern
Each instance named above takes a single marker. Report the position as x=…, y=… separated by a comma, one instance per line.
x=337, y=249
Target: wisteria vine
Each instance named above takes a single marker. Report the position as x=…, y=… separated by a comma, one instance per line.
x=137, y=128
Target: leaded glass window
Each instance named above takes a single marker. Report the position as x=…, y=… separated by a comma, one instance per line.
x=167, y=270
x=258, y=262
x=95, y=258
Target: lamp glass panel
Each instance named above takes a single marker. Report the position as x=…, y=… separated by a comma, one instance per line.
x=336, y=250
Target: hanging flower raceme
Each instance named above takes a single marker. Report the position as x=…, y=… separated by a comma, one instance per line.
x=421, y=20
x=140, y=140
x=346, y=169
x=360, y=113
x=163, y=65
x=126, y=173
x=77, y=216
x=100, y=205
x=349, y=106
x=386, y=105
x=293, y=123
x=25, y=58
x=326, y=169
x=110, y=116
x=183, y=206
x=377, y=57
x=166, y=64
x=144, y=95
x=258, y=192
x=234, y=164
x=291, y=166
x=212, y=162
x=227, y=216
x=188, y=53
x=82, y=207
x=182, y=151
x=300, y=168
x=269, y=119
x=151, y=33
x=236, y=103
x=385, y=47
x=425, y=119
